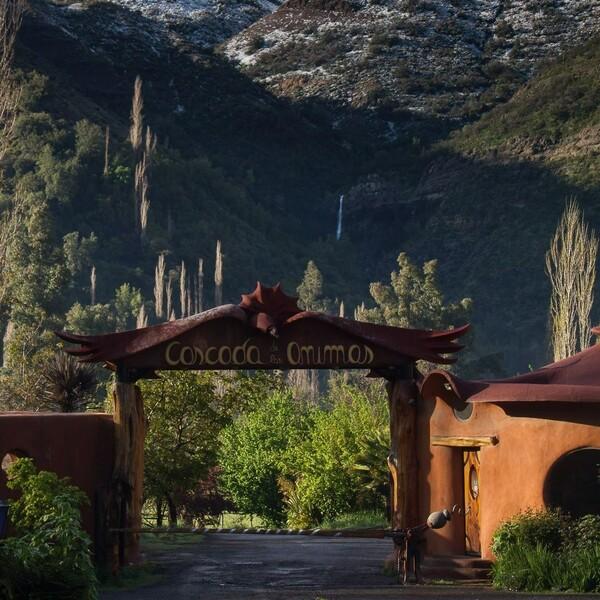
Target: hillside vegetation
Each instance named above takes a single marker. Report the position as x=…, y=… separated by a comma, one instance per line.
x=262, y=171
x=555, y=119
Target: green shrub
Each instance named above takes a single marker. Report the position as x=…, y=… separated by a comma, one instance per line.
x=536, y=568
x=585, y=533
x=579, y=569
x=524, y=567
x=255, y=455
x=365, y=518
x=294, y=464
x=328, y=483
x=530, y=528
x=50, y=555
x=545, y=550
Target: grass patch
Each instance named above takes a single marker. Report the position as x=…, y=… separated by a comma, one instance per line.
x=133, y=577
x=158, y=542
x=357, y=519
x=238, y=520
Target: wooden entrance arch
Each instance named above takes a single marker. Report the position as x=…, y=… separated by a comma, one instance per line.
x=266, y=330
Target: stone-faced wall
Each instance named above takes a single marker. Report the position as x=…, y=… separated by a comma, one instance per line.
x=79, y=446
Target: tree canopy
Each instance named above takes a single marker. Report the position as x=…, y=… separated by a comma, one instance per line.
x=413, y=298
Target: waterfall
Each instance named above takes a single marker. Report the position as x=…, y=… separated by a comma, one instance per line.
x=338, y=234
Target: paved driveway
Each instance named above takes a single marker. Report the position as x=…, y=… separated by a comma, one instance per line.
x=252, y=567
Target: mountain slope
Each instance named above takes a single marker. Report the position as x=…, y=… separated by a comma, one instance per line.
x=273, y=169
x=554, y=119
x=262, y=169
x=433, y=57
x=490, y=198
x=202, y=23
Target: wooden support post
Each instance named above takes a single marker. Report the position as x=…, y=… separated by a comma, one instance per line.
x=402, y=395
x=128, y=472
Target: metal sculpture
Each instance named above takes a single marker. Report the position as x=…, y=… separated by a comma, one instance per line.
x=409, y=542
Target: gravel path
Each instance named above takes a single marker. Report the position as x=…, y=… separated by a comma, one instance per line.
x=253, y=567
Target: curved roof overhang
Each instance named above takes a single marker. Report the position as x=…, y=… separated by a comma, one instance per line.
x=573, y=380
x=266, y=330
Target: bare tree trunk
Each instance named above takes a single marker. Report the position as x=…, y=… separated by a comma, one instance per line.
x=183, y=289
x=128, y=471
x=11, y=16
x=402, y=395
x=142, y=203
x=169, y=292
x=159, y=512
x=159, y=286
x=93, y=286
x=172, y=512
x=200, y=285
x=136, y=130
x=142, y=318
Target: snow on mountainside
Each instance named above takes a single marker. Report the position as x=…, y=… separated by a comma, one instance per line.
x=451, y=58
x=200, y=22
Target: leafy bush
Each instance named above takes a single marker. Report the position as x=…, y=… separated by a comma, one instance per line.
x=545, y=550
x=531, y=528
x=50, y=555
x=328, y=483
x=537, y=568
x=286, y=462
x=204, y=504
x=255, y=453
x=365, y=518
x=585, y=533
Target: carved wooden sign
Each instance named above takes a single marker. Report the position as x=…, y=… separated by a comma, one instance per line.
x=233, y=345
x=266, y=330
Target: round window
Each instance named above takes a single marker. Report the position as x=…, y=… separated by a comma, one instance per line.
x=473, y=482
x=464, y=413
x=573, y=483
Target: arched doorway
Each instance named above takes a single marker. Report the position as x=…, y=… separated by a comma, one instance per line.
x=573, y=483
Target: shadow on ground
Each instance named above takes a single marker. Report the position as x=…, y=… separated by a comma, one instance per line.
x=228, y=567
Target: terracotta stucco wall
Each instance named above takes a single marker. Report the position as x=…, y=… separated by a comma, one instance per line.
x=512, y=473
x=78, y=446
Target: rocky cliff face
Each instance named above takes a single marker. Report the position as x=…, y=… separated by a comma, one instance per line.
x=444, y=58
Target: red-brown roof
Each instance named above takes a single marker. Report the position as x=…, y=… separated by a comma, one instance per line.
x=574, y=379
x=268, y=318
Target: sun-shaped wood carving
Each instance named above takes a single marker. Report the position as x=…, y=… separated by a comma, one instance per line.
x=270, y=304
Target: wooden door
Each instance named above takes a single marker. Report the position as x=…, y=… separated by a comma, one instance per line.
x=472, y=506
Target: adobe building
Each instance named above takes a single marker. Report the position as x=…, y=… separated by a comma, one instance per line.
x=496, y=448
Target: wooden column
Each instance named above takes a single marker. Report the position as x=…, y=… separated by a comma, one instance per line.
x=128, y=473
x=402, y=395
